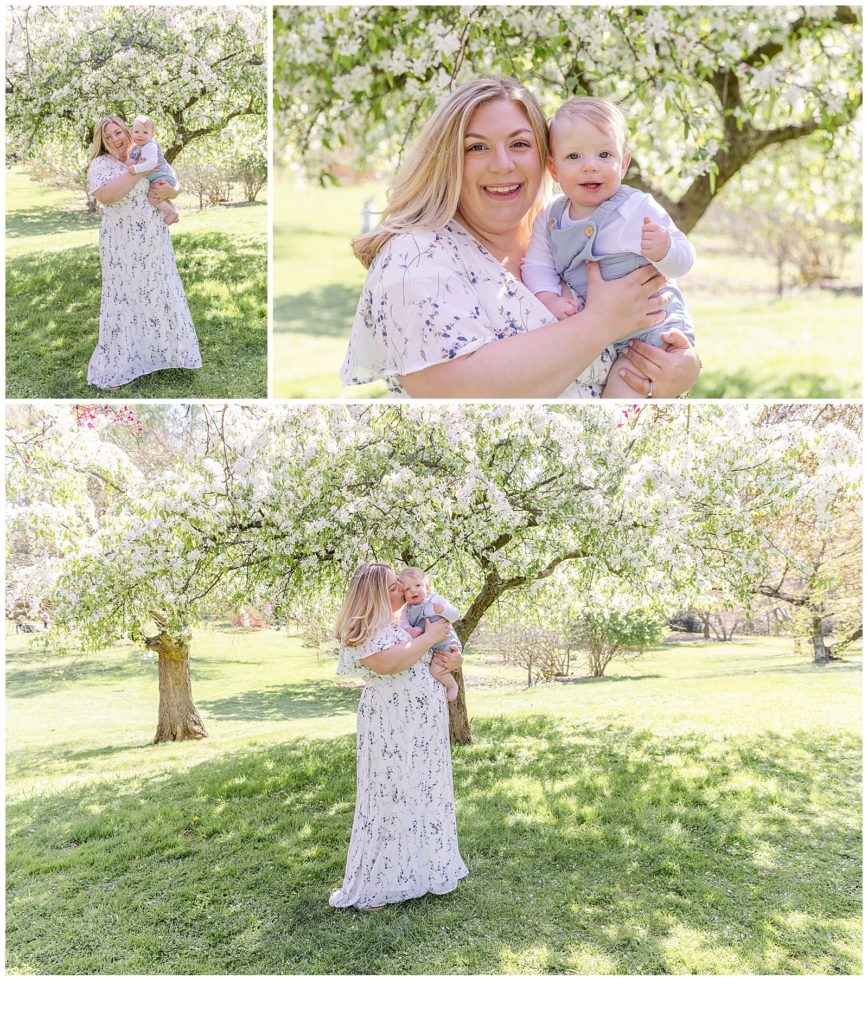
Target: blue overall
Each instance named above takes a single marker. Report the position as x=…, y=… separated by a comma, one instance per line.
x=573, y=246
x=417, y=613
x=162, y=171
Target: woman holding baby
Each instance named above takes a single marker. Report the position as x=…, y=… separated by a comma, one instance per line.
x=444, y=312
x=404, y=841
x=144, y=322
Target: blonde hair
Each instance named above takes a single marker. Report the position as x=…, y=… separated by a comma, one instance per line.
x=417, y=573
x=146, y=121
x=99, y=146
x=601, y=113
x=427, y=186
x=366, y=607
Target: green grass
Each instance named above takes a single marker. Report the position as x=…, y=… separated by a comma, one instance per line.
x=696, y=812
x=53, y=297
x=752, y=344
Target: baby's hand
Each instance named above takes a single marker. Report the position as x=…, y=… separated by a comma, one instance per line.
x=655, y=240
x=558, y=305
x=438, y=607
x=414, y=631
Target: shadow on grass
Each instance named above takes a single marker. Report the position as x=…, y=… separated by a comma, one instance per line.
x=52, y=321
x=46, y=221
x=595, y=845
x=305, y=698
x=32, y=671
x=327, y=311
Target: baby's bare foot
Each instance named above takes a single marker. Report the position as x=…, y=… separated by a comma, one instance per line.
x=171, y=218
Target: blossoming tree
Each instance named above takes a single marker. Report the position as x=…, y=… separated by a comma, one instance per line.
x=705, y=89
x=194, y=70
x=279, y=507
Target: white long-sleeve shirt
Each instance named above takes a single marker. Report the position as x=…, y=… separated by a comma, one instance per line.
x=624, y=234
x=449, y=612
x=151, y=157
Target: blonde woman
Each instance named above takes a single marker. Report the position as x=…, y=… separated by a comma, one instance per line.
x=443, y=312
x=404, y=841
x=144, y=320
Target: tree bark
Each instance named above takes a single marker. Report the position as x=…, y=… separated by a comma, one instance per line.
x=178, y=718
x=459, y=723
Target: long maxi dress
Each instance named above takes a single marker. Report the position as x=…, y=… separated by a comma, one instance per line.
x=404, y=841
x=144, y=319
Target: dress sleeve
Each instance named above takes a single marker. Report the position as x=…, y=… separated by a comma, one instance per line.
x=418, y=308
x=102, y=170
x=349, y=657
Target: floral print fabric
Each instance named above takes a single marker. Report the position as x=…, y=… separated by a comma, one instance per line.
x=144, y=320
x=404, y=841
x=433, y=295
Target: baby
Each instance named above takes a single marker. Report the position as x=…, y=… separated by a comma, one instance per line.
x=146, y=157
x=421, y=603
x=598, y=218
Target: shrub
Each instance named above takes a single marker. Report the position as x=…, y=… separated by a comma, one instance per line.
x=604, y=634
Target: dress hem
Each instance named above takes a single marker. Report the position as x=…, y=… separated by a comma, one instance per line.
x=144, y=373
x=385, y=900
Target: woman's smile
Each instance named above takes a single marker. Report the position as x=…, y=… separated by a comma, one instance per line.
x=500, y=192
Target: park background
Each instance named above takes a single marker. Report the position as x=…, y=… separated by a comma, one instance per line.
x=200, y=74
x=743, y=122
x=657, y=748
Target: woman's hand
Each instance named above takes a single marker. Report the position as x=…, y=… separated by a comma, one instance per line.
x=437, y=631
x=624, y=304
x=672, y=370
x=447, y=661
x=161, y=190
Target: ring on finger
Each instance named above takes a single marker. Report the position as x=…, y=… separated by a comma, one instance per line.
x=650, y=389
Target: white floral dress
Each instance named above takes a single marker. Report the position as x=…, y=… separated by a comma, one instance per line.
x=404, y=841
x=144, y=320
x=431, y=296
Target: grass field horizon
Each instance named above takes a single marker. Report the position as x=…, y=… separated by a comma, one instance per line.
x=752, y=343
x=696, y=811
x=53, y=284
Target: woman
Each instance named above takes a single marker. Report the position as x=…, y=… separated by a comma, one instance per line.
x=404, y=842
x=444, y=272
x=144, y=320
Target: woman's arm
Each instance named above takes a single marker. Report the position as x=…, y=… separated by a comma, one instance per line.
x=402, y=656
x=543, y=363
x=161, y=189
x=116, y=189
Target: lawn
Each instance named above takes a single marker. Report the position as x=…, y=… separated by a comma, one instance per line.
x=696, y=812
x=753, y=345
x=53, y=296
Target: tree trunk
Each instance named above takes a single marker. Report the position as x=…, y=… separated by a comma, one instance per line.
x=178, y=718
x=459, y=723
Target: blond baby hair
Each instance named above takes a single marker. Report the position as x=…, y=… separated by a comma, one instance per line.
x=600, y=113
x=146, y=121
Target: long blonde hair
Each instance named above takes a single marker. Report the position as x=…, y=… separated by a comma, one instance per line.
x=427, y=186
x=366, y=606
x=99, y=146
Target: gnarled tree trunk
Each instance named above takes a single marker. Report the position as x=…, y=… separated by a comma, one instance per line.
x=178, y=718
